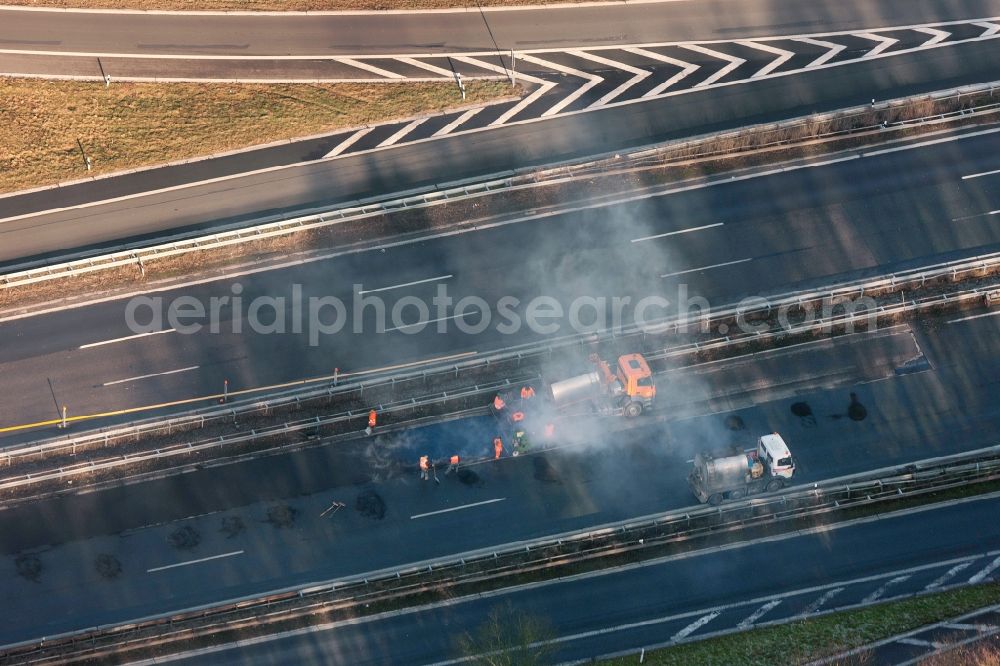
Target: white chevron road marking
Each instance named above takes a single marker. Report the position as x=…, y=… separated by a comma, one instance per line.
x=592, y=80
x=783, y=57
x=368, y=67
x=402, y=132
x=937, y=36
x=462, y=119
x=348, y=142
x=985, y=571
x=834, y=49
x=877, y=594
x=759, y=613
x=695, y=626
x=440, y=71
x=991, y=28
x=543, y=87
x=948, y=575
x=686, y=68
x=637, y=75
x=886, y=42
x=815, y=606
x=734, y=62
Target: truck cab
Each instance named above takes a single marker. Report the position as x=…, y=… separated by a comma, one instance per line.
x=631, y=384
x=774, y=453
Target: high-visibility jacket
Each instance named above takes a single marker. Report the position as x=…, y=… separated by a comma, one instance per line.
x=527, y=392
x=550, y=429
x=497, y=446
x=498, y=403
x=372, y=417
x=454, y=460
x=423, y=463
x=517, y=416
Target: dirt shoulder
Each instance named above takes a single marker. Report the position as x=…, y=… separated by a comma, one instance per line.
x=44, y=125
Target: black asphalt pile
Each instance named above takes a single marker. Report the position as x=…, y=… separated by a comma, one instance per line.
x=342, y=416
x=370, y=504
x=337, y=416
x=472, y=575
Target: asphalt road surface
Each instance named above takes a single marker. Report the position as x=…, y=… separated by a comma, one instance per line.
x=245, y=528
x=802, y=228
x=106, y=211
x=678, y=599
x=378, y=32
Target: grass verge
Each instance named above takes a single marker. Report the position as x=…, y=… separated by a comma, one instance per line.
x=807, y=640
x=43, y=124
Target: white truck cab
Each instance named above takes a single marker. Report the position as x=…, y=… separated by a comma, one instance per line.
x=774, y=453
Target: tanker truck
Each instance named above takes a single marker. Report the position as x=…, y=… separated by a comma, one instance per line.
x=626, y=391
x=736, y=474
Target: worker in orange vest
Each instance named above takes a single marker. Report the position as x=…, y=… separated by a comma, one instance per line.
x=498, y=403
x=527, y=392
x=424, y=467
x=550, y=430
x=497, y=448
x=517, y=417
x=453, y=464
x=372, y=418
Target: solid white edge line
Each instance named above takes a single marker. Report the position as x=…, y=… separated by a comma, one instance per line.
x=198, y=561
x=519, y=122
x=980, y=175
x=970, y=317
x=406, y=284
x=923, y=144
x=457, y=508
x=90, y=345
x=150, y=376
x=705, y=268
x=675, y=233
x=628, y=567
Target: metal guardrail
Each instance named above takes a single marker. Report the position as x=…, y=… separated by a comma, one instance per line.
x=905, y=480
x=280, y=225
x=190, y=447
x=521, y=355
x=687, y=149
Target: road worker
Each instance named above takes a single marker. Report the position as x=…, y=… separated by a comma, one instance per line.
x=425, y=467
x=497, y=448
x=372, y=419
x=498, y=403
x=517, y=417
x=550, y=430
x=453, y=464
x=527, y=392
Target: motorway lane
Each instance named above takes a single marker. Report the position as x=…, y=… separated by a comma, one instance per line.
x=639, y=607
x=380, y=32
x=616, y=472
x=795, y=229
x=27, y=232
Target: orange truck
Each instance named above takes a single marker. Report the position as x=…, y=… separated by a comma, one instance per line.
x=628, y=389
